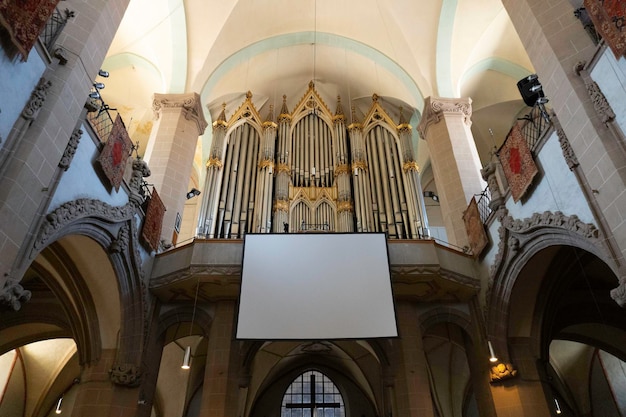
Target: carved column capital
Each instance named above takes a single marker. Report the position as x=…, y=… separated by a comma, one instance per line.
x=189, y=104
x=435, y=108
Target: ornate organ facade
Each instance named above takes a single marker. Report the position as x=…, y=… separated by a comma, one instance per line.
x=308, y=170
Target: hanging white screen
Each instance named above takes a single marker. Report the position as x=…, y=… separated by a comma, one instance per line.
x=315, y=286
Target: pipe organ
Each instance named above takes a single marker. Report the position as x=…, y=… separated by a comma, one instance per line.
x=309, y=172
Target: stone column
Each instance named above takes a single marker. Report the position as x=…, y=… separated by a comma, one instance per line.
x=220, y=391
x=445, y=126
x=171, y=149
x=412, y=385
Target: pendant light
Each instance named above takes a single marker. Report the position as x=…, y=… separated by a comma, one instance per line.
x=187, y=358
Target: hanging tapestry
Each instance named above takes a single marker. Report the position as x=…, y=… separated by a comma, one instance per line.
x=153, y=222
x=476, y=234
x=24, y=20
x=609, y=18
x=517, y=163
x=115, y=153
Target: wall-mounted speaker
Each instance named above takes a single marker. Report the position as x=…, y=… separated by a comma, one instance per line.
x=531, y=90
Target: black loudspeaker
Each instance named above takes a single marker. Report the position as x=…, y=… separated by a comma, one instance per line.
x=530, y=89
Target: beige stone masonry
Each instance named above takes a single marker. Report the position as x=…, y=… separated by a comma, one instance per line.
x=445, y=126
x=171, y=149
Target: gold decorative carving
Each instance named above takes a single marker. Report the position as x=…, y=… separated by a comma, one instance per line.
x=280, y=168
x=362, y=165
x=404, y=127
x=342, y=169
x=214, y=162
x=343, y=206
x=281, y=205
x=411, y=166
x=266, y=163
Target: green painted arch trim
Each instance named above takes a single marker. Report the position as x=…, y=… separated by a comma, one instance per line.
x=501, y=65
x=444, y=48
x=300, y=38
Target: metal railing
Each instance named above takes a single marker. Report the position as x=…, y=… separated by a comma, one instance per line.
x=101, y=121
x=54, y=26
x=534, y=125
x=483, y=201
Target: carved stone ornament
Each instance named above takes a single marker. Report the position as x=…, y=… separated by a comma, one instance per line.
x=619, y=294
x=12, y=295
x=120, y=244
x=502, y=372
x=344, y=206
x=515, y=233
x=566, y=147
x=489, y=174
x=600, y=103
x=37, y=98
x=140, y=170
x=435, y=108
x=78, y=209
x=125, y=374
x=70, y=149
x=188, y=103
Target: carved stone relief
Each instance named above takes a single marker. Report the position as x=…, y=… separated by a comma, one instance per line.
x=12, y=295
x=70, y=149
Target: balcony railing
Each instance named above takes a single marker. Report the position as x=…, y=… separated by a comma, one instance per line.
x=54, y=26
x=101, y=120
x=483, y=200
x=534, y=125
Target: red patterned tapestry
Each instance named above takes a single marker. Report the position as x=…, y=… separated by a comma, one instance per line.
x=115, y=153
x=517, y=163
x=476, y=234
x=24, y=20
x=153, y=223
x=609, y=18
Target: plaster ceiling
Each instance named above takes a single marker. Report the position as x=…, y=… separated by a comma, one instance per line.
x=402, y=50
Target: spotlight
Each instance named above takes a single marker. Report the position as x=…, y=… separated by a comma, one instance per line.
x=432, y=195
x=542, y=100
x=192, y=193
x=103, y=73
x=94, y=94
x=98, y=86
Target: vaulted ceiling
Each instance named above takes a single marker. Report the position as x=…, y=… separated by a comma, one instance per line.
x=402, y=50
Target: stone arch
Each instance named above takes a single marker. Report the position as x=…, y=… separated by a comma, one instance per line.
x=525, y=245
x=346, y=362
x=450, y=346
x=111, y=232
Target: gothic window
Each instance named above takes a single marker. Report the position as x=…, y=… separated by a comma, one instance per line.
x=312, y=394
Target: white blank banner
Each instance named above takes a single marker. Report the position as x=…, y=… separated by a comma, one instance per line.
x=315, y=287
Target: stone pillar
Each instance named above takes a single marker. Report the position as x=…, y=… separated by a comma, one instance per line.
x=445, y=126
x=412, y=384
x=97, y=394
x=220, y=391
x=171, y=149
